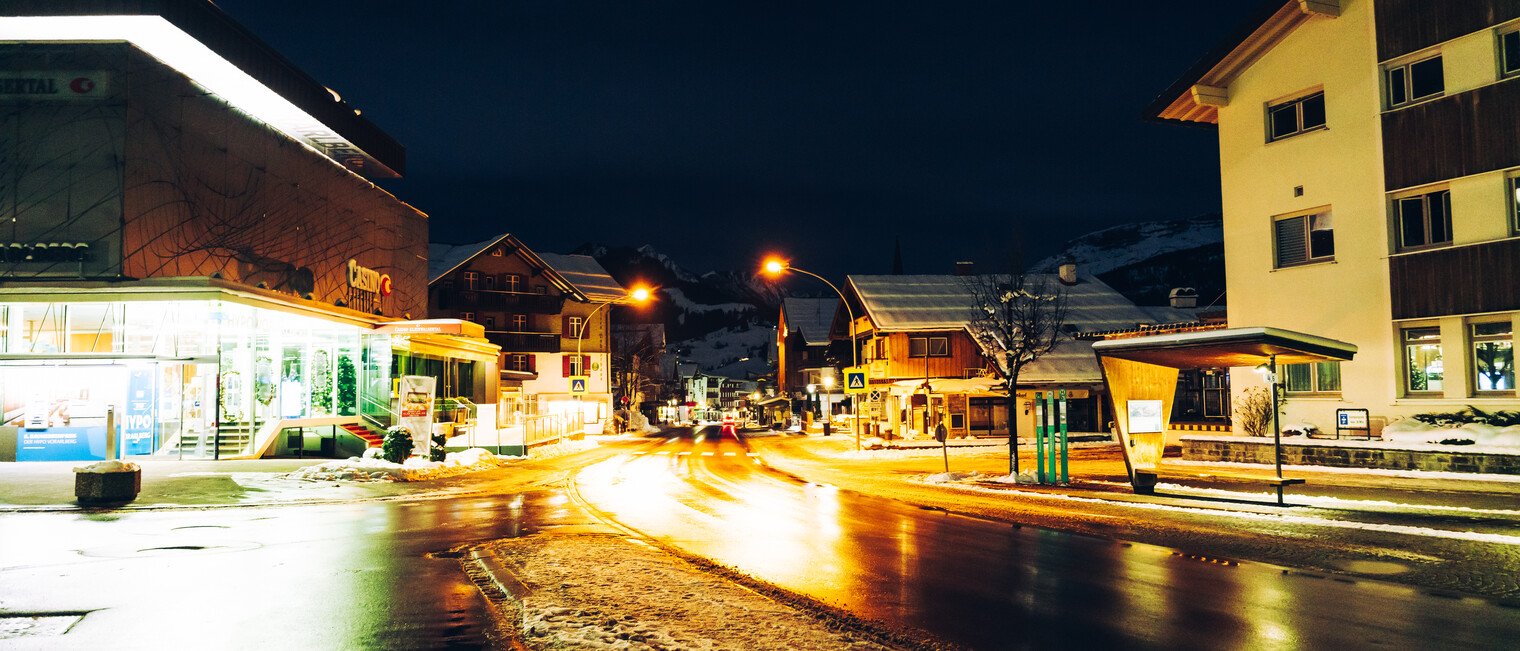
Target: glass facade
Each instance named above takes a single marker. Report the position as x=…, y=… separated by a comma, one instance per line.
x=195, y=379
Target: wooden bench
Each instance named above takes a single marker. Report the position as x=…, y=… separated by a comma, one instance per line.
x=1148, y=478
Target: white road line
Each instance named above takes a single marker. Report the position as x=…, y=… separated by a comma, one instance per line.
x=707, y=454
x=728, y=454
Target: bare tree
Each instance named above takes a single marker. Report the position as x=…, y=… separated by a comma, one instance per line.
x=1015, y=319
x=636, y=362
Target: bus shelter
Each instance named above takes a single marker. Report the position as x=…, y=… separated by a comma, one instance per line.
x=1141, y=374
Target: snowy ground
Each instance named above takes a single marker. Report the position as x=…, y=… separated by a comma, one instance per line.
x=642, y=598
x=371, y=468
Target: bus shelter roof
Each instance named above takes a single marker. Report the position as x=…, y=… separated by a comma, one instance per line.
x=1225, y=348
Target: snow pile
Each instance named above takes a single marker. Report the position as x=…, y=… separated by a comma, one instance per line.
x=947, y=477
x=109, y=466
x=1410, y=430
x=560, y=449
x=414, y=469
x=640, y=598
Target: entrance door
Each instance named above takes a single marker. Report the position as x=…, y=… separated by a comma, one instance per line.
x=1216, y=394
x=191, y=404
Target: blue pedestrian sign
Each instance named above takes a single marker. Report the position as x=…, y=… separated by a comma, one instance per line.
x=578, y=385
x=855, y=382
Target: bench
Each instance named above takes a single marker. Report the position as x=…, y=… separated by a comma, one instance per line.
x=1147, y=479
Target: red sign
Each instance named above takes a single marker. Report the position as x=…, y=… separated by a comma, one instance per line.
x=385, y=285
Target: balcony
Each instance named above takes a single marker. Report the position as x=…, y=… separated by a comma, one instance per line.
x=484, y=300
x=524, y=342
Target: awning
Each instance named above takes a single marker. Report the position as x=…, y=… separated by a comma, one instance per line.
x=772, y=400
x=973, y=386
x=1226, y=348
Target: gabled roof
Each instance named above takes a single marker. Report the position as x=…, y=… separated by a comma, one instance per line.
x=810, y=317
x=588, y=277
x=443, y=259
x=943, y=302
x=1196, y=96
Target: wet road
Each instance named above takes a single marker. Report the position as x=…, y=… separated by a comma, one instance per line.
x=342, y=576
x=992, y=586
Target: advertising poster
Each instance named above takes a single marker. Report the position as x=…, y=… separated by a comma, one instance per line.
x=417, y=410
x=1145, y=416
x=137, y=422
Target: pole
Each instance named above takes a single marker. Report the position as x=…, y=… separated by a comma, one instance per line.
x=854, y=354
x=1039, y=436
x=1065, y=479
x=1276, y=430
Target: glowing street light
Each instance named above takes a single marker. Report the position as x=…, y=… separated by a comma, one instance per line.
x=775, y=266
x=639, y=295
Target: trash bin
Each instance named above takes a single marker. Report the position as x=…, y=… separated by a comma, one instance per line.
x=826, y=427
x=107, y=482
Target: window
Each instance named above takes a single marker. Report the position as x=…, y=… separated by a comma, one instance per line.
x=540, y=289
x=519, y=362
x=1415, y=81
x=519, y=323
x=448, y=285
x=1509, y=53
x=471, y=280
x=490, y=283
x=496, y=252
x=467, y=316
x=1514, y=202
x=490, y=323
x=1493, y=356
x=934, y=346
x=1422, y=360
x=1319, y=377
x=574, y=327
x=1296, y=117
x=1304, y=239
x=575, y=364
x=1424, y=219
x=511, y=283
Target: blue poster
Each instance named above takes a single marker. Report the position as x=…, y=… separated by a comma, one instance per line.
x=137, y=422
x=61, y=444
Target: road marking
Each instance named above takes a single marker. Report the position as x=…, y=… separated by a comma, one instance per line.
x=707, y=454
x=728, y=454
x=663, y=452
x=682, y=454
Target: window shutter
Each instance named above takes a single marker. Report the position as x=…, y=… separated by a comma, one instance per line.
x=532, y=363
x=565, y=363
x=565, y=329
x=1291, y=247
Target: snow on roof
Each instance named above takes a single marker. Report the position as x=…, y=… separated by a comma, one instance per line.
x=587, y=275
x=443, y=258
x=812, y=317
x=942, y=302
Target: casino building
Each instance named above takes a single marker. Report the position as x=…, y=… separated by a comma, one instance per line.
x=195, y=260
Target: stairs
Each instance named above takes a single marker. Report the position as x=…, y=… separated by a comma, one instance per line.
x=363, y=432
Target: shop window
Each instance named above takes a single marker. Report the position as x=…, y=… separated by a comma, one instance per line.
x=471, y=280
x=1294, y=117
x=1422, y=360
x=1411, y=82
x=1493, y=357
x=1509, y=53
x=928, y=346
x=1424, y=219
x=1319, y=377
x=1304, y=239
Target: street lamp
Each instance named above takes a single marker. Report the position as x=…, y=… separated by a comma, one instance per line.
x=775, y=267
x=639, y=295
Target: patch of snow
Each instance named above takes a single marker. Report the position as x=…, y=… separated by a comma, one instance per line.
x=678, y=298
x=109, y=466
x=366, y=469
x=1334, y=502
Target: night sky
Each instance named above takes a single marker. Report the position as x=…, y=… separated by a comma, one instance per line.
x=720, y=130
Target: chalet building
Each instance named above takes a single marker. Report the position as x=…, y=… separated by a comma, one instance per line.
x=802, y=343
x=546, y=313
x=924, y=367
x=195, y=253
x=1369, y=158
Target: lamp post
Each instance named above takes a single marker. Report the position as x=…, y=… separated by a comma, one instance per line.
x=639, y=295
x=775, y=267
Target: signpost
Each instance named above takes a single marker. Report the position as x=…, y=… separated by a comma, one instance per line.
x=855, y=382
x=1050, y=436
x=1353, y=420
x=417, y=410
x=578, y=384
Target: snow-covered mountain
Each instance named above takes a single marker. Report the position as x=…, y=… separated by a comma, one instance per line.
x=1144, y=261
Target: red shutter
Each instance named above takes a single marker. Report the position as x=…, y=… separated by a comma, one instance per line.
x=532, y=363
x=585, y=365
x=565, y=366
x=565, y=330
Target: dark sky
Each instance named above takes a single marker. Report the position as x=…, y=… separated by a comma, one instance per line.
x=717, y=130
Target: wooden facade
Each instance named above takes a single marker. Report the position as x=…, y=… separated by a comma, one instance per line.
x=1406, y=26
x=1452, y=137
x=1457, y=280
x=962, y=354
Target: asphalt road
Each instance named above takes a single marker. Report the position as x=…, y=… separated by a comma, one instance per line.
x=990, y=585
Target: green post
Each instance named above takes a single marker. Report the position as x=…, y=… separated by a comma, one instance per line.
x=1039, y=437
x=1065, y=479
x=1050, y=432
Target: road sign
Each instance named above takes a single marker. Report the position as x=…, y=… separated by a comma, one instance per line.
x=855, y=382
x=875, y=395
x=578, y=385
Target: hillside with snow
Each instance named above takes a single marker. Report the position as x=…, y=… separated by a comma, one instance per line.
x=1144, y=261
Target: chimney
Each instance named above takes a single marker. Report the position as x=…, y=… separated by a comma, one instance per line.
x=1068, y=271
x=1185, y=298
x=964, y=268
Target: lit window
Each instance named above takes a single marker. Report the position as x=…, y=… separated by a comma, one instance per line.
x=1412, y=82
x=1422, y=360
x=471, y=280
x=511, y=283
x=1304, y=239
x=1319, y=377
x=520, y=362
x=1296, y=117
x=1424, y=219
x=577, y=364
x=1509, y=53
x=519, y=323
x=576, y=327
x=1493, y=356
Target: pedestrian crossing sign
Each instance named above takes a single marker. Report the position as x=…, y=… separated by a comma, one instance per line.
x=855, y=382
x=578, y=385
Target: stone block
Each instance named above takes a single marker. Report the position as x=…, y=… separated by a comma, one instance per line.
x=107, y=487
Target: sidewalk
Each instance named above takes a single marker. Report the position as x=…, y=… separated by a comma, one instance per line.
x=168, y=483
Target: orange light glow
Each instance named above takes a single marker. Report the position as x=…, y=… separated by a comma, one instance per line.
x=775, y=266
